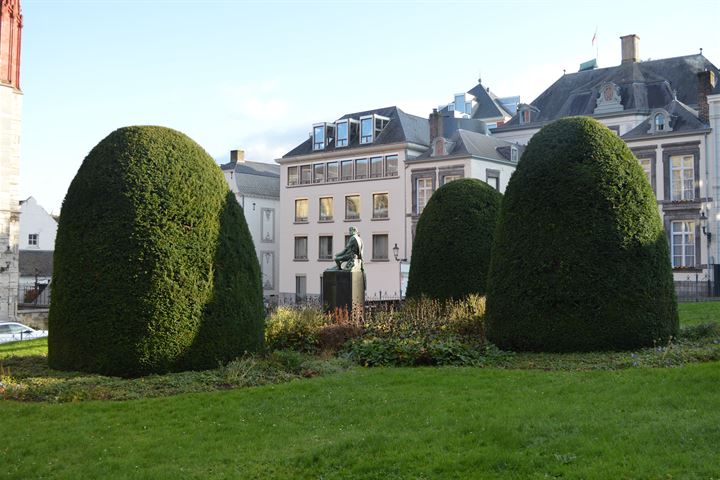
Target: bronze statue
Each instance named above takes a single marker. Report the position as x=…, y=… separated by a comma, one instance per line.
x=352, y=254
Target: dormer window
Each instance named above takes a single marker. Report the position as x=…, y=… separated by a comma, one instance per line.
x=343, y=134
x=371, y=126
x=513, y=154
x=322, y=135
x=659, y=122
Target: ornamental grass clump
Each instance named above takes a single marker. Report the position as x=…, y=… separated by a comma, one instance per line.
x=580, y=260
x=154, y=266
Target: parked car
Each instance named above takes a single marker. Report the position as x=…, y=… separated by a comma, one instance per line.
x=13, y=332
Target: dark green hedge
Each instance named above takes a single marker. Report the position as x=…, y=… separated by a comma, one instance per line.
x=580, y=260
x=154, y=266
x=451, y=251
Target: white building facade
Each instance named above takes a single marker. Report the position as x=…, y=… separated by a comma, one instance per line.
x=378, y=181
x=256, y=187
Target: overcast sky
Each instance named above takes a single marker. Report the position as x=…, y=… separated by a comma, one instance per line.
x=255, y=75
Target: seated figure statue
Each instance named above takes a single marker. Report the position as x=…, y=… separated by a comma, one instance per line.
x=352, y=254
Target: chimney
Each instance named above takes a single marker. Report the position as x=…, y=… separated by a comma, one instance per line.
x=630, y=48
x=237, y=156
x=436, y=125
x=706, y=83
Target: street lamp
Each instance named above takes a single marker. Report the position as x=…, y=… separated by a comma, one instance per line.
x=708, y=235
x=396, y=252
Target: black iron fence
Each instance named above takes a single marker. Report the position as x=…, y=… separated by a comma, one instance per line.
x=34, y=296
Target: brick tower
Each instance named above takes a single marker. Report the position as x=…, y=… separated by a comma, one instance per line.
x=10, y=107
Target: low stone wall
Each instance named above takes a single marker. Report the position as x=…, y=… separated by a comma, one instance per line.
x=36, y=318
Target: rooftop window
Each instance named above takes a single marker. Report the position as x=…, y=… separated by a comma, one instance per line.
x=323, y=134
x=343, y=134
x=371, y=126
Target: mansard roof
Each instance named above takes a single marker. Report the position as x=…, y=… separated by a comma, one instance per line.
x=682, y=119
x=465, y=143
x=401, y=128
x=488, y=105
x=255, y=179
x=643, y=86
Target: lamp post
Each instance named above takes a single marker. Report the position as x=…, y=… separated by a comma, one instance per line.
x=708, y=235
x=404, y=268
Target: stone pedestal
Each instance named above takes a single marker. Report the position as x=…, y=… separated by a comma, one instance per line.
x=343, y=289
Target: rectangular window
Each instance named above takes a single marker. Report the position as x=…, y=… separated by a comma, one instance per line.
x=292, y=175
x=391, y=166
x=301, y=210
x=318, y=137
x=376, y=167
x=301, y=248
x=513, y=154
x=380, y=247
x=318, y=173
x=306, y=174
x=460, y=102
x=325, y=248
x=346, y=169
x=449, y=178
x=332, y=171
x=33, y=239
x=342, y=134
x=492, y=178
x=326, y=209
x=646, y=165
x=366, y=129
x=361, y=168
x=683, y=244
x=300, y=288
x=682, y=177
x=424, y=191
x=380, y=205
x=352, y=207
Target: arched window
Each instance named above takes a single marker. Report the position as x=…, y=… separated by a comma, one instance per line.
x=659, y=122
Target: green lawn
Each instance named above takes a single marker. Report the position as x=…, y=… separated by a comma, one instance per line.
x=415, y=423
x=388, y=423
x=696, y=313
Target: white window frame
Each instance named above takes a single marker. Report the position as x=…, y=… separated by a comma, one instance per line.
x=682, y=236
x=34, y=239
x=422, y=195
x=686, y=191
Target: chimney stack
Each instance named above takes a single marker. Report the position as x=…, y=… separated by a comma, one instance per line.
x=436, y=125
x=706, y=84
x=237, y=156
x=630, y=48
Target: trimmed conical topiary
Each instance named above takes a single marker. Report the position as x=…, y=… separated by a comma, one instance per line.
x=154, y=266
x=451, y=251
x=580, y=260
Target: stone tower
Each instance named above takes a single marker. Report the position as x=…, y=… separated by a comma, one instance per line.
x=10, y=107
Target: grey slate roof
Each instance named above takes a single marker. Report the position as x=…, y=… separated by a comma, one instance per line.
x=402, y=127
x=257, y=179
x=488, y=105
x=468, y=143
x=643, y=86
x=42, y=260
x=681, y=120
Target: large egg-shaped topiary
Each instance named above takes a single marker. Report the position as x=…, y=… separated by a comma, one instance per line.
x=451, y=250
x=580, y=260
x=154, y=266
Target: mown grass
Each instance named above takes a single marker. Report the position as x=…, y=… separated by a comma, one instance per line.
x=388, y=423
x=590, y=416
x=697, y=313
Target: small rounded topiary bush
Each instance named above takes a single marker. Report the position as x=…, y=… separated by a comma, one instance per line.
x=580, y=261
x=154, y=266
x=451, y=251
